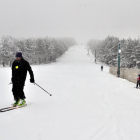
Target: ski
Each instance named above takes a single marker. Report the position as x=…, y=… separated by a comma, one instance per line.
x=11, y=108
x=137, y=88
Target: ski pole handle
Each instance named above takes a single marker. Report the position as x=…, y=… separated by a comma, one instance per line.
x=43, y=89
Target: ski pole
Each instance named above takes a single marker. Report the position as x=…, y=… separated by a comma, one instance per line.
x=43, y=89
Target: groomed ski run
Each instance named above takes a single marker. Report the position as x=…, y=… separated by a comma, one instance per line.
x=87, y=103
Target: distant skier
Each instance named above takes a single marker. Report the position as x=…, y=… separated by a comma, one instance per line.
x=19, y=72
x=102, y=68
x=138, y=81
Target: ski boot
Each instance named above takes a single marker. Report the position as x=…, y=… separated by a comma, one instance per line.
x=16, y=103
x=22, y=102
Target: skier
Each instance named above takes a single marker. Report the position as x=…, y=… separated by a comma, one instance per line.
x=138, y=81
x=19, y=72
x=101, y=68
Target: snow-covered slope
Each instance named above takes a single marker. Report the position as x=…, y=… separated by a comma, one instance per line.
x=86, y=103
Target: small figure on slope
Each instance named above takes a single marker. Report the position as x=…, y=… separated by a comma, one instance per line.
x=95, y=60
x=102, y=68
x=19, y=72
x=138, y=81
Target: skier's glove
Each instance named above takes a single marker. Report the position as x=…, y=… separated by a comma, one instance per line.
x=32, y=80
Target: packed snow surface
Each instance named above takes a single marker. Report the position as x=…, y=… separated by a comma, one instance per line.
x=86, y=103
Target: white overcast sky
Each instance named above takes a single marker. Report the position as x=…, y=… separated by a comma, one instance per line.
x=81, y=19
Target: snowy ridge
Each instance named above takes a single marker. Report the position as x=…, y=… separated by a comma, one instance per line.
x=86, y=103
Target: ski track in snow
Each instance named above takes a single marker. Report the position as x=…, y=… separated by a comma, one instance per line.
x=86, y=103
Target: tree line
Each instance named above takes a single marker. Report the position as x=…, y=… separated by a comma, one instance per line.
x=35, y=50
x=107, y=51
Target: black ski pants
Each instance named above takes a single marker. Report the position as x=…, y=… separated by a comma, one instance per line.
x=138, y=84
x=18, y=92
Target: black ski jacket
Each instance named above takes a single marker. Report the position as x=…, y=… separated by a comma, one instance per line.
x=19, y=72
